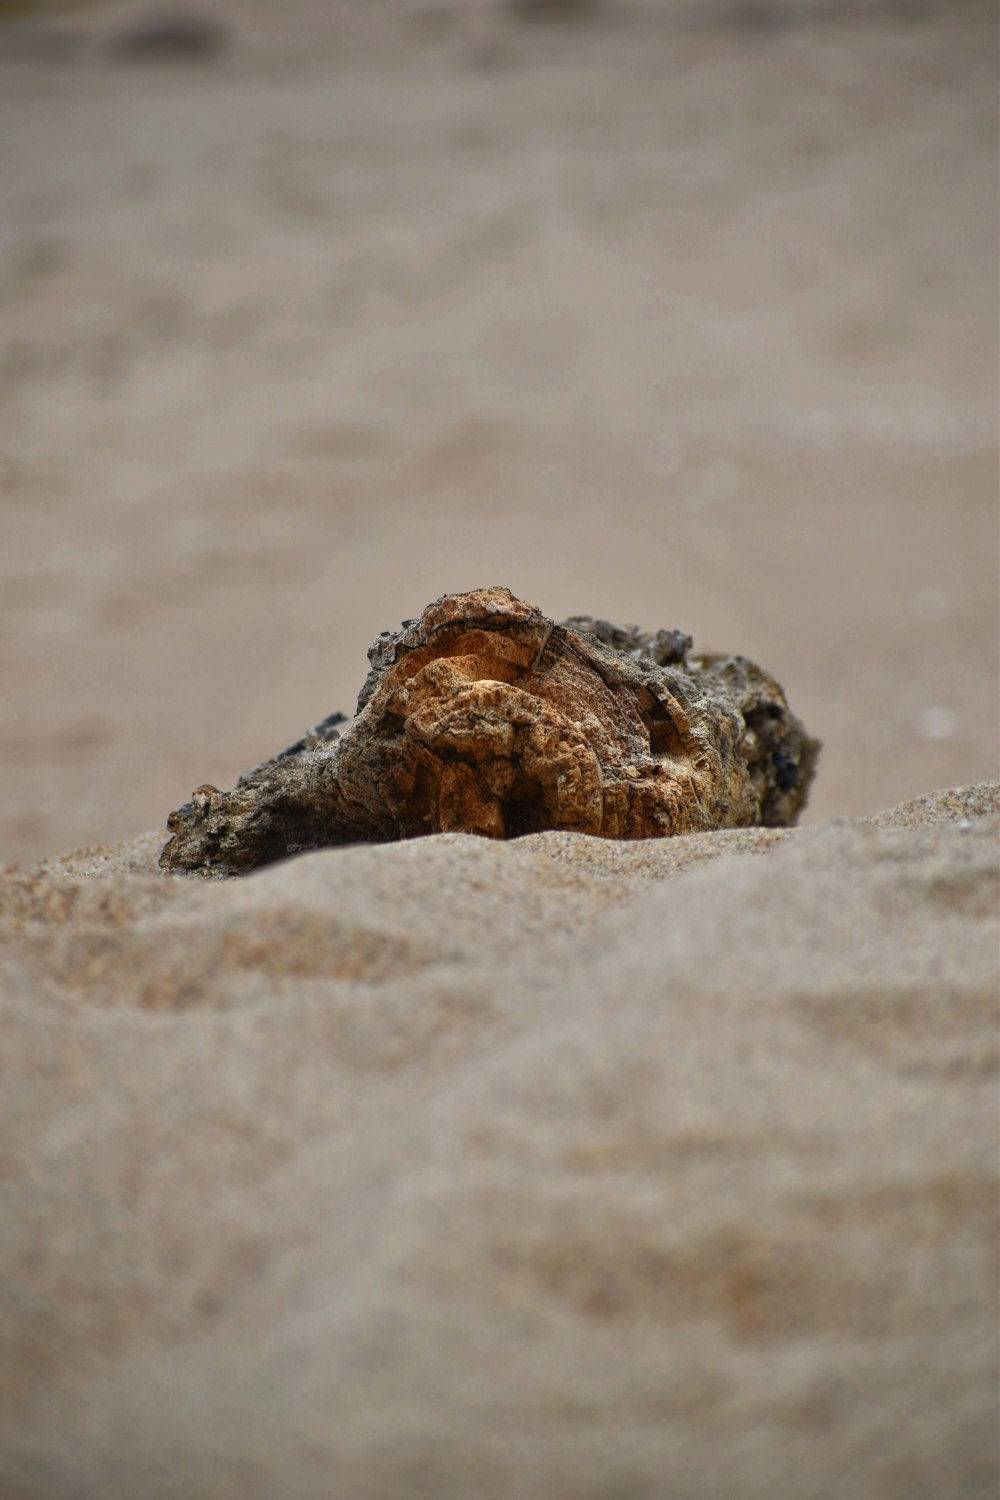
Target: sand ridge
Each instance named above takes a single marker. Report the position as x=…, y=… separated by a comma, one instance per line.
x=559, y=1167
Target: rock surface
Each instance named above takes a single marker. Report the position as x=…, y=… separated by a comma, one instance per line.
x=556, y=1169
x=486, y=717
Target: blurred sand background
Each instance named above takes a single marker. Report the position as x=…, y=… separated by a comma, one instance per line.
x=681, y=313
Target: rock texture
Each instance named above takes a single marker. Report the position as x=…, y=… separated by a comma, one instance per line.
x=553, y=1169
x=486, y=717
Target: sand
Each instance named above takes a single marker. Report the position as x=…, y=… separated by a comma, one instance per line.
x=558, y=1168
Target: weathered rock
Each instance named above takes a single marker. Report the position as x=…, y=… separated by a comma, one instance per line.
x=486, y=717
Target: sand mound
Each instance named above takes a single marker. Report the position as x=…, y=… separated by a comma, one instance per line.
x=558, y=1168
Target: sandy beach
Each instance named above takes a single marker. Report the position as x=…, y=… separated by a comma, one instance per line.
x=560, y=1168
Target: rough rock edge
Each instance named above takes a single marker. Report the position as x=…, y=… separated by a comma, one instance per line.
x=484, y=716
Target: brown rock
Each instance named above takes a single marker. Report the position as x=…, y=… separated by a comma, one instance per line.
x=486, y=717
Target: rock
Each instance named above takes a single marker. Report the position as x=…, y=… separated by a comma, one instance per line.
x=171, y=36
x=552, y=11
x=486, y=717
